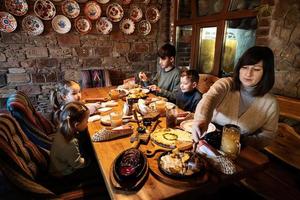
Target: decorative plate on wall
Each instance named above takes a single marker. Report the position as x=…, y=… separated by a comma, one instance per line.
x=114, y=12
x=92, y=10
x=44, y=9
x=16, y=7
x=135, y=13
x=32, y=25
x=83, y=25
x=126, y=2
x=145, y=1
x=81, y=1
x=61, y=24
x=127, y=26
x=103, y=1
x=8, y=23
x=104, y=26
x=144, y=27
x=70, y=8
x=57, y=0
x=152, y=14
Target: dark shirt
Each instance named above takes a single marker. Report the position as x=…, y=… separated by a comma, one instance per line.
x=188, y=100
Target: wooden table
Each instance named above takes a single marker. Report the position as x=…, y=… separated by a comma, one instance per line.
x=249, y=162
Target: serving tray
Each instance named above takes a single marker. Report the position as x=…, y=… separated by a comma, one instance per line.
x=190, y=182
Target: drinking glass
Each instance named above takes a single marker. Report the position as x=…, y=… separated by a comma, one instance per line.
x=230, y=142
x=114, y=94
x=171, y=116
x=160, y=107
x=116, y=119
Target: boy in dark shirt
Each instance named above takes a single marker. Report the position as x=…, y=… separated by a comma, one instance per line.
x=166, y=81
x=188, y=96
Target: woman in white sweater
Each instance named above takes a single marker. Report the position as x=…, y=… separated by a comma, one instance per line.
x=243, y=100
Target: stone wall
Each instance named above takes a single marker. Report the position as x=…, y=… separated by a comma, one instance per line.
x=35, y=64
x=280, y=30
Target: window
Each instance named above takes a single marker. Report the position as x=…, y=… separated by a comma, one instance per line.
x=211, y=35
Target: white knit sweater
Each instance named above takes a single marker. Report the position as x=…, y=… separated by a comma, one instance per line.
x=221, y=105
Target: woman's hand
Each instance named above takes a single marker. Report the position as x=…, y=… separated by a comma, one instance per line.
x=198, y=129
x=143, y=76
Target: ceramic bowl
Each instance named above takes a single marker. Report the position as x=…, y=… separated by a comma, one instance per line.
x=92, y=10
x=104, y=26
x=114, y=12
x=70, y=8
x=83, y=25
x=16, y=7
x=44, y=9
x=61, y=24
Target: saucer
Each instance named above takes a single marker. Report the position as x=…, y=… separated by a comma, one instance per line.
x=44, y=9
x=16, y=7
x=114, y=12
x=32, y=25
x=127, y=26
x=92, y=10
x=8, y=23
x=83, y=25
x=61, y=24
x=135, y=13
x=144, y=27
x=152, y=14
x=70, y=8
x=104, y=26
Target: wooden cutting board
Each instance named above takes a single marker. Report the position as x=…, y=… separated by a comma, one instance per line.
x=190, y=182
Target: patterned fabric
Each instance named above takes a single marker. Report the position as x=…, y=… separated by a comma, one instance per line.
x=95, y=78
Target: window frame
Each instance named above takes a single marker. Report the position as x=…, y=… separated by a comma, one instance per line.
x=218, y=20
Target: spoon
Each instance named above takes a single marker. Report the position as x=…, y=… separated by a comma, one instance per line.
x=194, y=163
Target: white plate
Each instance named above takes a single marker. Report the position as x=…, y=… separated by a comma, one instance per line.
x=127, y=26
x=187, y=126
x=61, y=24
x=104, y=109
x=44, y=9
x=114, y=12
x=32, y=25
x=152, y=14
x=70, y=8
x=8, y=22
x=104, y=26
x=92, y=10
x=16, y=7
x=144, y=27
x=83, y=25
x=145, y=90
x=135, y=13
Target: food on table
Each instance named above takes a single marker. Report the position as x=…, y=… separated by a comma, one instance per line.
x=176, y=163
x=136, y=93
x=130, y=162
x=167, y=137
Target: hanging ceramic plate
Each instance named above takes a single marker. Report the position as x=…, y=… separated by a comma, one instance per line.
x=92, y=10
x=70, y=8
x=152, y=14
x=144, y=27
x=103, y=1
x=44, y=9
x=135, y=13
x=83, y=25
x=16, y=7
x=114, y=12
x=7, y=22
x=126, y=2
x=57, y=0
x=145, y=1
x=81, y=1
x=61, y=24
x=127, y=26
x=32, y=25
x=104, y=26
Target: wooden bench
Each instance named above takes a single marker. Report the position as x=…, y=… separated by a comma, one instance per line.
x=286, y=146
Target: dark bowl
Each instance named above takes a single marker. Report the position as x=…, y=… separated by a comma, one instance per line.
x=138, y=172
x=177, y=175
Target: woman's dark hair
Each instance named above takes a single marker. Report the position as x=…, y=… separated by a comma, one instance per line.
x=167, y=50
x=252, y=56
x=70, y=114
x=191, y=74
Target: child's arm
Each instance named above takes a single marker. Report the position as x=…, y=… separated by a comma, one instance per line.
x=73, y=155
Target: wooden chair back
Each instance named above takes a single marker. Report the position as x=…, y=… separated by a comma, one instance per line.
x=205, y=81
